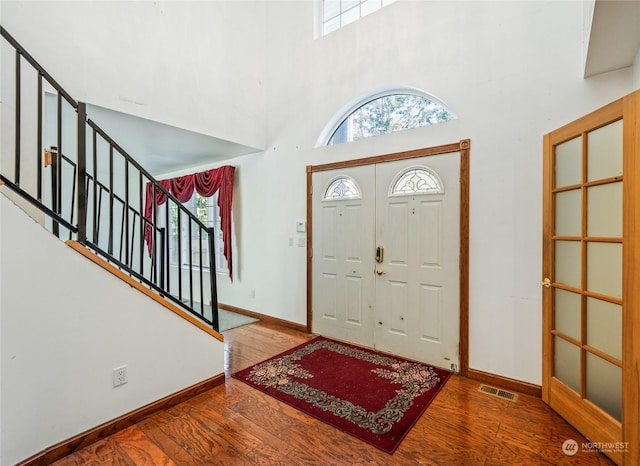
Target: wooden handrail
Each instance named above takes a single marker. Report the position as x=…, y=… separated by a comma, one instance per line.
x=138, y=286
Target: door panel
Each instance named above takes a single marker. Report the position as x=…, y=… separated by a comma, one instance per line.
x=343, y=258
x=583, y=259
x=386, y=256
x=417, y=289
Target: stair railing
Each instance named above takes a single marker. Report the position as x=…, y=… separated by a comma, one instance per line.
x=89, y=188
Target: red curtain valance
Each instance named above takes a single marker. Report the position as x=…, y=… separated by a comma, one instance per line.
x=206, y=184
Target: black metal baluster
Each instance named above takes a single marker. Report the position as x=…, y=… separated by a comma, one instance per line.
x=40, y=148
x=163, y=234
x=170, y=227
x=143, y=222
x=122, y=235
x=154, y=259
x=18, y=117
x=190, y=264
x=95, y=186
x=73, y=200
x=81, y=174
x=100, y=209
x=179, y=220
x=56, y=170
x=110, y=243
x=133, y=236
x=59, y=179
x=201, y=278
x=54, y=189
x=126, y=209
x=213, y=281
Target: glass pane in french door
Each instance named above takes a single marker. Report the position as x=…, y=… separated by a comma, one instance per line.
x=587, y=244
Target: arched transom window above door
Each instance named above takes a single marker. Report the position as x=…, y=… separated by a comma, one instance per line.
x=416, y=180
x=341, y=187
x=384, y=111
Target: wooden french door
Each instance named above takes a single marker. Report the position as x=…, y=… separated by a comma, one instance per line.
x=591, y=256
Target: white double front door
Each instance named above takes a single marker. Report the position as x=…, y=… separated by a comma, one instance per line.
x=386, y=245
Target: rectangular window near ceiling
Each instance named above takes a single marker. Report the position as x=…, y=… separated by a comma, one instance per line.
x=339, y=13
x=207, y=211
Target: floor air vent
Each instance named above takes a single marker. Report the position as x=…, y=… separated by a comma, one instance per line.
x=505, y=395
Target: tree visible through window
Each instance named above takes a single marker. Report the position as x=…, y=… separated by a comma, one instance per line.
x=388, y=114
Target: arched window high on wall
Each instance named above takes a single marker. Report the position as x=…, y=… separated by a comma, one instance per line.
x=383, y=112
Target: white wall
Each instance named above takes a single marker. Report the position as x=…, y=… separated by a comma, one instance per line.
x=511, y=71
x=194, y=65
x=64, y=325
x=636, y=71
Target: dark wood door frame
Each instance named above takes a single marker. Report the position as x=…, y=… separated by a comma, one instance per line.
x=463, y=148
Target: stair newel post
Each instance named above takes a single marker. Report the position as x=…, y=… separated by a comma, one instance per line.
x=82, y=172
x=212, y=278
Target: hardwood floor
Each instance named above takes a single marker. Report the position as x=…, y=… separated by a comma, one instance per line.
x=235, y=424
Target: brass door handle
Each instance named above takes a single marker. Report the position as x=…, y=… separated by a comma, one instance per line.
x=379, y=254
x=546, y=283
x=379, y=271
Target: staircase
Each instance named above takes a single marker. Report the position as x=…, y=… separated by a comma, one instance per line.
x=75, y=180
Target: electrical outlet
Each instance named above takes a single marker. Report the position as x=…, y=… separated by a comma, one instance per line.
x=119, y=376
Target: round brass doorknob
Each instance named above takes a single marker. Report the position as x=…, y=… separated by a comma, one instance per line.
x=379, y=271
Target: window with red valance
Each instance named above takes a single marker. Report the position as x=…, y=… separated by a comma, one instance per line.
x=206, y=184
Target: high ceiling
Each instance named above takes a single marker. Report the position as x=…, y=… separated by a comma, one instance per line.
x=614, y=41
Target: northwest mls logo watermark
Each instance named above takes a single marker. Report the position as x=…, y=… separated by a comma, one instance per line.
x=570, y=447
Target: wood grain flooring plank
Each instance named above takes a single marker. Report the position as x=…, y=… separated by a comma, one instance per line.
x=103, y=452
x=142, y=451
x=193, y=436
x=272, y=414
x=172, y=447
x=325, y=443
x=515, y=454
x=266, y=436
x=476, y=432
x=235, y=424
x=223, y=427
x=441, y=450
x=267, y=455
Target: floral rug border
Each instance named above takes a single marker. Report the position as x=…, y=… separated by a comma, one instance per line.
x=413, y=379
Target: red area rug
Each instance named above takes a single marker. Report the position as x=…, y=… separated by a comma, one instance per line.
x=372, y=396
